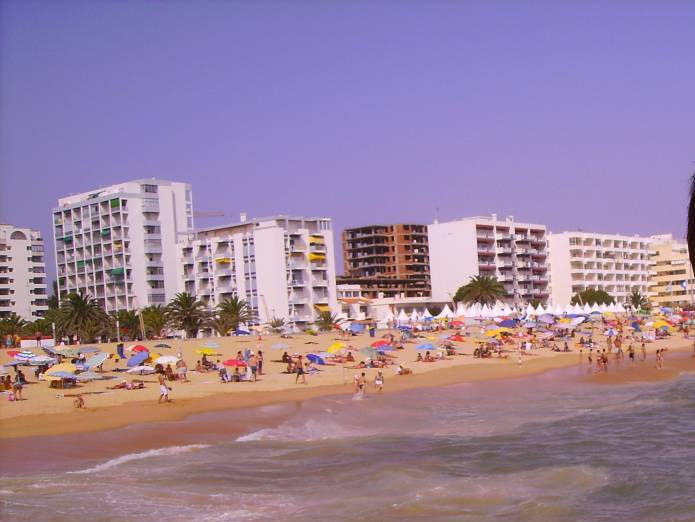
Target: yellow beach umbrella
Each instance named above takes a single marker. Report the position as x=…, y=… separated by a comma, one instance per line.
x=504, y=329
x=206, y=351
x=63, y=367
x=154, y=356
x=493, y=333
x=335, y=347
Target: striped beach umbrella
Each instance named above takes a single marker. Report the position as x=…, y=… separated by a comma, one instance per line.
x=25, y=355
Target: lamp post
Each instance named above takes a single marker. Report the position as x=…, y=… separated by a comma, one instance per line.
x=53, y=326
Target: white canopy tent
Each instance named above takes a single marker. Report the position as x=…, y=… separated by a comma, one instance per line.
x=446, y=313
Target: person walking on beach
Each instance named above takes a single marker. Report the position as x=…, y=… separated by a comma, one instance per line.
x=644, y=352
x=253, y=364
x=300, y=371
x=163, y=388
x=379, y=381
x=631, y=353
x=260, y=362
x=362, y=384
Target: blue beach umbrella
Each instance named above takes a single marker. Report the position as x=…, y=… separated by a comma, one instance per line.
x=88, y=376
x=316, y=359
x=239, y=331
x=63, y=375
x=426, y=346
x=96, y=360
x=88, y=349
x=508, y=323
x=138, y=359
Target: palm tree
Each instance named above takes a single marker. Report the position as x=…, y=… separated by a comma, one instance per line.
x=277, y=324
x=236, y=311
x=79, y=313
x=128, y=323
x=638, y=301
x=186, y=313
x=53, y=300
x=326, y=320
x=221, y=324
x=482, y=290
x=154, y=317
x=12, y=325
x=40, y=326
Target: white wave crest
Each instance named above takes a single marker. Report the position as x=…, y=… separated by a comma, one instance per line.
x=161, y=452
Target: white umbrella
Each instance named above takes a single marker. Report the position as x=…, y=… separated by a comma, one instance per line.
x=25, y=355
x=142, y=370
x=167, y=359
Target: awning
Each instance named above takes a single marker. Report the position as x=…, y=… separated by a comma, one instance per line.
x=313, y=256
x=323, y=308
x=317, y=240
x=115, y=203
x=223, y=260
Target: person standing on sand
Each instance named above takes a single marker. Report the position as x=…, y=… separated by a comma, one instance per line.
x=644, y=352
x=253, y=364
x=362, y=384
x=379, y=381
x=163, y=388
x=300, y=371
x=260, y=362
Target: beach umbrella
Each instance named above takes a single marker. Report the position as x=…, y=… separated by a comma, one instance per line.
x=96, y=360
x=162, y=345
x=371, y=353
x=166, y=359
x=382, y=342
x=61, y=375
x=12, y=353
x=88, y=349
x=335, y=347
x=425, y=346
x=315, y=359
x=211, y=344
x=89, y=376
x=138, y=348
x=25, y=355
x=577, y=320
x=138, y=359
x=67, y=352
x=239, y=331
x=547, y=319
x=457, y=338
x=508, y=323
x=206, y=351
x=141, y=370
x=529, y=324
x=234, y=362
x=41, y=359
x=64, y=367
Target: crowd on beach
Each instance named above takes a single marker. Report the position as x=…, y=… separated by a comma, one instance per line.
x=69, y=367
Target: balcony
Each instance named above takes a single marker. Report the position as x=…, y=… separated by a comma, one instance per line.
x=319, y=283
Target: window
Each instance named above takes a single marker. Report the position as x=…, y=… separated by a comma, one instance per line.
x=150, y=189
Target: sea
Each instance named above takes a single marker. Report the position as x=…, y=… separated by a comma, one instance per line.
x=542, y=448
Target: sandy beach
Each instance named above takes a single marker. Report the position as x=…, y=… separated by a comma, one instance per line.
x=48, y=411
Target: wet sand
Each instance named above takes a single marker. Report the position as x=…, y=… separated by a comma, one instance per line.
x=625, y=372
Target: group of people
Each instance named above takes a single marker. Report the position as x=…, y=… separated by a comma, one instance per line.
x=360, y=383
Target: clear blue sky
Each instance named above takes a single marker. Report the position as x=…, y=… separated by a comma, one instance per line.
x=575, y=114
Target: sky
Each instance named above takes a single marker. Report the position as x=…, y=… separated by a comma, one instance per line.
x=580, y=115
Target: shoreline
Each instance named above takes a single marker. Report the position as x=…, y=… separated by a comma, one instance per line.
x=106, y=418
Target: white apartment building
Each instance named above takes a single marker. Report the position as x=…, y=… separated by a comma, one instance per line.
x=616, y=264
x=118, y=243
x=514, y=253
x=283, y=266
x=22, y=273
x=672, y=281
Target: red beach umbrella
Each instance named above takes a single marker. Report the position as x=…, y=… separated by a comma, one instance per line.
x=378, y=344
x=12, y=353
x=234, y=362
x=140, y=348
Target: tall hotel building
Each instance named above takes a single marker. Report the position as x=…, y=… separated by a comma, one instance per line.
x=614, y=263
x=672, y=282
x=118, y=243
x=387, y=260
x=283, y=266
x=22, y=273
x=514, y=253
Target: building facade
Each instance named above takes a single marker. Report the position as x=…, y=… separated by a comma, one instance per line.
x=514, y=253
x=672, y=282
x=22, y=273
x=616, y=264
x=283, y=266
x=388, y=260
x=118, y=243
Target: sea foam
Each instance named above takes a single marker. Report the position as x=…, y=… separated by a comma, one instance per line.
x=129, y=457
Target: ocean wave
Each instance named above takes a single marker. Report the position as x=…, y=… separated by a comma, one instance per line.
x=313, y=429
x=161, y=452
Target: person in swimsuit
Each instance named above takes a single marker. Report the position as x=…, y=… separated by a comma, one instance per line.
x=362, y=384
x=163, y=388
x=300, y=371
x=379, y=381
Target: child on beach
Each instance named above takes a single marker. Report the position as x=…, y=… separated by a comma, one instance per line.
x=379, y=381
x=163, y=388
x=79, y=402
